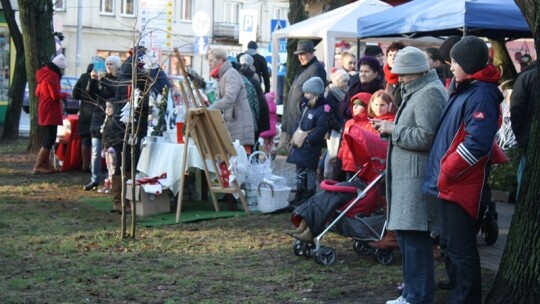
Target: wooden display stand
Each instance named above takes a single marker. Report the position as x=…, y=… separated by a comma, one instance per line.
x=213, y=142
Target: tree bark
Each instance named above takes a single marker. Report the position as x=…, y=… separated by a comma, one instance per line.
x=518, y=278
x=38, y=39
x=18, y=81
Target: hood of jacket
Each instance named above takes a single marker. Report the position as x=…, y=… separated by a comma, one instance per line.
x=46, y=71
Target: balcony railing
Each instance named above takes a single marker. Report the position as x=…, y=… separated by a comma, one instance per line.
x=226, y=30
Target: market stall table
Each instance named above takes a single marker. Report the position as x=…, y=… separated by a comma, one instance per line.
x=159, y=157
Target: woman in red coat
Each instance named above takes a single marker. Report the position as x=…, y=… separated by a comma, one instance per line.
x=50, y=113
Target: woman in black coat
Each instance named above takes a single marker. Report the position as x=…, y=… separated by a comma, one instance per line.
x=88, y=103
x=102, y=87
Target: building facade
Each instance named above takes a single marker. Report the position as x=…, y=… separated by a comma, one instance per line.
x=106, y=27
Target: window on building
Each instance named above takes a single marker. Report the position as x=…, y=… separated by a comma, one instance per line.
x=59, y=5
x=128, y=7
x=280, y=13
x=106, y=7
x=105, y=53
x=231, y=11
x=184, y=9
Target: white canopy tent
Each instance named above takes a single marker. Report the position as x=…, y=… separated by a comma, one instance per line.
x=335, y=24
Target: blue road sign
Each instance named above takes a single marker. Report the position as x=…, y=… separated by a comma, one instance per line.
x=201, y=45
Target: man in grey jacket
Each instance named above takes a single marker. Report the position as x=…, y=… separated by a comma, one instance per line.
x=412, y=214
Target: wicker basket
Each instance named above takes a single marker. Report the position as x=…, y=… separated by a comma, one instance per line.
x=270, y=200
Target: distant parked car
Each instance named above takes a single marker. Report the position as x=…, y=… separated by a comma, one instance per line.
x=71, y=106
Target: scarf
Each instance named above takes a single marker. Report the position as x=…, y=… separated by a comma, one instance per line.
x=215, y=72
x=390, y=77
x=338, y=92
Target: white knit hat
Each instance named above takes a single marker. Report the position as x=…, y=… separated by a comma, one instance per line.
x=246, y=59
x=114, y=60
x=60, y=61
x=340, y=77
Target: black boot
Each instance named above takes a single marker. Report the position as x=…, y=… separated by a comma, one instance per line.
x=91, y=186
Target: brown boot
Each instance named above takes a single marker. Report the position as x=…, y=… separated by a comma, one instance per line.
x=50, y=165
x=301, y=227
x=116, y=189
x=305, y=236
x=42, y=162
x=389, y=241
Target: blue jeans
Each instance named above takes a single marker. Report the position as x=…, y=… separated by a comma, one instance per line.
x=95, y=159
x=458, y=240
x=418, y=269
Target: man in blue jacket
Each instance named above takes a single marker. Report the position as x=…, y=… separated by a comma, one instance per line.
x=459, y=162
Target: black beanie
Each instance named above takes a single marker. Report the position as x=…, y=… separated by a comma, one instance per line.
x=252, y=45
x=471, y=53
x=447, y=45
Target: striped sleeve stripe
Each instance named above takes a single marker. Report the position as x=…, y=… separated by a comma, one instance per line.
x=466, y=155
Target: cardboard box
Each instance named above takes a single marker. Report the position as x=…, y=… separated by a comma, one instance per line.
x=149, y=204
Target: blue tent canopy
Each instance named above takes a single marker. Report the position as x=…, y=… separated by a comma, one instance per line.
x=418, y=18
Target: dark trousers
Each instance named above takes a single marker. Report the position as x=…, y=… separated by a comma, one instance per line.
x=50, y=136
x=306, y=179
x=458, y=239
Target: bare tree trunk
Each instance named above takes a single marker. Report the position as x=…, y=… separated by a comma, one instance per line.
x=18, y=81
x=36, y=24
x=518, y=278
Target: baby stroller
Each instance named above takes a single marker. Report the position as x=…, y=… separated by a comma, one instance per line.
x=354, y=209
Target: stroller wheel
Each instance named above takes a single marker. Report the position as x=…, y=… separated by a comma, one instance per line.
x=384, y=256
x=362, y=248
x=308, y=250
x=299, y=248
x=325, y=256
x=490, y=230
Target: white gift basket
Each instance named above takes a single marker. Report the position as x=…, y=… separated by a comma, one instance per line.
x=259, y=172
x=270, y=199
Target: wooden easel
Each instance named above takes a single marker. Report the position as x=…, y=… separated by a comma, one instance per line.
x=212, y=140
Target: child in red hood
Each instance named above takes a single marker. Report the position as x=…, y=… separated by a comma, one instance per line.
x=365, y=106
x=359, y=104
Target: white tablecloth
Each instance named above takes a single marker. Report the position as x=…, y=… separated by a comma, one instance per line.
x=158, y=158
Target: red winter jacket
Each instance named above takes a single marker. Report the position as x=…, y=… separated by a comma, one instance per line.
x=49, y=96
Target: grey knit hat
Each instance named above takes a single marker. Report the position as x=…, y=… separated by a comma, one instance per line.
x=246, y=59
x=314, y=86
x=410, y=60
x=471, y=53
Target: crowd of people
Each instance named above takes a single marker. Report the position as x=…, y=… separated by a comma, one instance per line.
x=437, y=109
